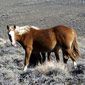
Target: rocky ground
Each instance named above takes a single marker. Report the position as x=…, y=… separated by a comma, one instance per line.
x=41, y=13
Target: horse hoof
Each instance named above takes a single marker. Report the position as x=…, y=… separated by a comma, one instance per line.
x=25, y=68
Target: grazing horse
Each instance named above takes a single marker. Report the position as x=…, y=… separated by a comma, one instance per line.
x=36, y=40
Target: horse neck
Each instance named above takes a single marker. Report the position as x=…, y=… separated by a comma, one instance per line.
x=23, y=39
x=18, y=37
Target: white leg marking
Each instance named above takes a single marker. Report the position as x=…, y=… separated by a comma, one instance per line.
x=75, y=64
x=25, y=68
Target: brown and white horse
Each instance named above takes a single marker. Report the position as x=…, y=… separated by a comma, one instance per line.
x=36, y=40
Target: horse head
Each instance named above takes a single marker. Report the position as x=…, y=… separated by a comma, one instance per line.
x=11, y=34
x=15, y=32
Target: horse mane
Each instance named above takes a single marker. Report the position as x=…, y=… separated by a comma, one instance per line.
x=23, y=29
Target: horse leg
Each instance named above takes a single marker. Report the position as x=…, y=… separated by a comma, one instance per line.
x=56, y=51
x=27, y=57
x=33, y=59
x=65, y=57
x=71, y=55
x=39, y=58
x=43, y=55
x=48, y=56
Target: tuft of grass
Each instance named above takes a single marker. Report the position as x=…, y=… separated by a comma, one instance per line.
x=52, y=66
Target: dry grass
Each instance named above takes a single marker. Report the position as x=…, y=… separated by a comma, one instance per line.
x=50, y=66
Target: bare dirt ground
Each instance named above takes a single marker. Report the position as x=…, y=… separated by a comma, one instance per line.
x=44, y=14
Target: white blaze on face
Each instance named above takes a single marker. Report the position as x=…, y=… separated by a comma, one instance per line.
x=12, y=34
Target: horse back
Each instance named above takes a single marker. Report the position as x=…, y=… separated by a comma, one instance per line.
x=44, y=39
x=63, y=30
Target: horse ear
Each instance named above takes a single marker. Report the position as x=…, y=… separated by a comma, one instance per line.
x=7, y=27
x=14, y=26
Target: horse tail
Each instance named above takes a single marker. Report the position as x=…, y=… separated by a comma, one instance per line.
x=75, y=48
